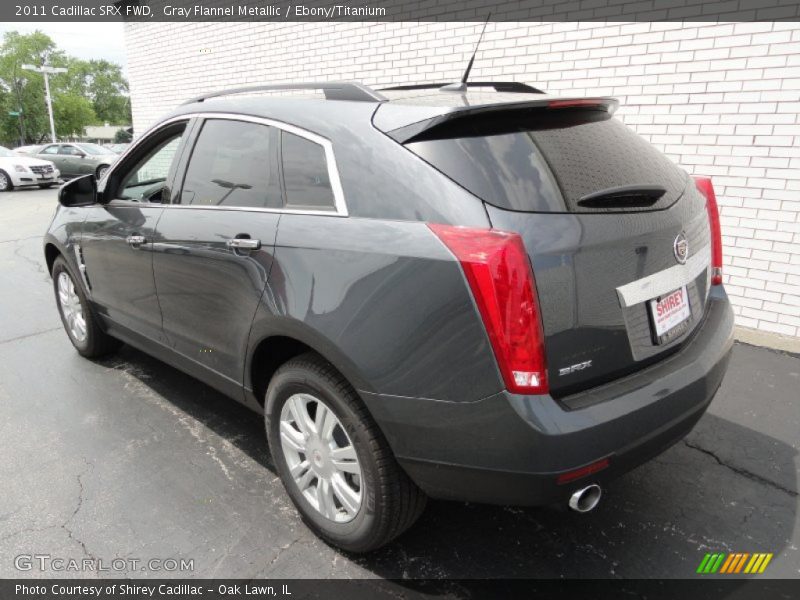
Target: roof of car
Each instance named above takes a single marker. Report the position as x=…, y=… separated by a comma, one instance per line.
x=387, y=109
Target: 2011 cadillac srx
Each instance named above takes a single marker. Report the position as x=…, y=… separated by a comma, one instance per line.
x=485, y=295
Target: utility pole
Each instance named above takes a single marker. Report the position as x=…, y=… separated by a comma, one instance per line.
x=47, y=70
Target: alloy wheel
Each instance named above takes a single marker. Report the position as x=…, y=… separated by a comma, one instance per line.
x=321, y=458
x=3, y=182
x=71, y=307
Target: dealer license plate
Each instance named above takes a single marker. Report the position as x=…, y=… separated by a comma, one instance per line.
x=669, y=315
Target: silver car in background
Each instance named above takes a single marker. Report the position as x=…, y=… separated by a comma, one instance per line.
x=17, y=170
x=75, y=159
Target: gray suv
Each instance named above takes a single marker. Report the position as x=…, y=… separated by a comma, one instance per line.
x=490, y=295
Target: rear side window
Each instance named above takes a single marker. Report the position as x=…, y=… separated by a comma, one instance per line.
x=541, y=160
x=305, y=173
x=233, y=164
x=505, y=170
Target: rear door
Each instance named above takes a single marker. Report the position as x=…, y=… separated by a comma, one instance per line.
x=602, y=214
x=215, y=242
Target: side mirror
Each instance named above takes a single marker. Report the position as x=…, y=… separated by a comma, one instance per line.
x=81, y=155
x=79, y=192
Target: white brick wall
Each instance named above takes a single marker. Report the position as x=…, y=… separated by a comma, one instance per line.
x=721, y=99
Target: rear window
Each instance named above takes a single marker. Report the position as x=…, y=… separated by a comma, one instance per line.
x=540, y=160
x=305, y=174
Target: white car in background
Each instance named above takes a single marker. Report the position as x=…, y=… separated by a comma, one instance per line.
x=17, y=170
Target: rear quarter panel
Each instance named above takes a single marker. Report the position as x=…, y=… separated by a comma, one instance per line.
x=384, y=301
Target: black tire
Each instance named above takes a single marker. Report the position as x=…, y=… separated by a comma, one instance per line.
x=391, y=502
x=6, y=185
x=101, y=170
x=96, y=342
x=46, y=186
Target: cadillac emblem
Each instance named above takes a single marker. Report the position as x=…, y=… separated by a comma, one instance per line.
x=681, y=248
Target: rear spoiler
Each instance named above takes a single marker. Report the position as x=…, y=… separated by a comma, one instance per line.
x=426, y=118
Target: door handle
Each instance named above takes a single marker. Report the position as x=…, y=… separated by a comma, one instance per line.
x=134, y=241
x=243, y=244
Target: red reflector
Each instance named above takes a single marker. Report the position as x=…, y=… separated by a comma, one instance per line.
x=707, y=189
x=499, y=274
x=583, y=471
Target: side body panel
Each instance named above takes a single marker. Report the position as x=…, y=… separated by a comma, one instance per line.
x=119, y=274
x=65, y=233
x=385, y=301
x=209, y=292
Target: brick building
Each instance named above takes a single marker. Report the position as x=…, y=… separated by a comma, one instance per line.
x=721, y=99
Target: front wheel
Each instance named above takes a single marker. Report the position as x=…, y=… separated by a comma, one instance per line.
x=5, y=182
x=333, y=460
x=77, y=316
x=101, y=170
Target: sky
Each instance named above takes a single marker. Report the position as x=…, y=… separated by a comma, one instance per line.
x=83, y=40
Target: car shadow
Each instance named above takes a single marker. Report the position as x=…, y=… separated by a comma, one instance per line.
x=657, y=521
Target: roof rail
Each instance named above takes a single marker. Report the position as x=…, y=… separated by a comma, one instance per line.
x=334, y=90
x=499, y=86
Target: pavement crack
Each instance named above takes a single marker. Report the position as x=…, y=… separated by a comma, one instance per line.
x=25, y=239
x=36, y=264
x=8, y=536
x=66, y=526
x=743, y=472
x=281, y=550
x=28, y=335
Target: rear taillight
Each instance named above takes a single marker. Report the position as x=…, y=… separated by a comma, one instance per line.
x=706, y=188
x=499, y=274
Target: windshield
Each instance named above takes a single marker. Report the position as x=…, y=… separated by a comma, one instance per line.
x=6, y=152
x=93, y=149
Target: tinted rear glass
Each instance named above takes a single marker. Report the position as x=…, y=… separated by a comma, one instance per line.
x=541, y=160
x=305, y=173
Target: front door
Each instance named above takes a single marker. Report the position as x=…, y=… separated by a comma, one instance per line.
x=215, y=243
x=118, y=236
x=51, y=153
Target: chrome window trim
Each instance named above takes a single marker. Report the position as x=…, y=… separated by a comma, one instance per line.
x=340, y=205
x=665, y=281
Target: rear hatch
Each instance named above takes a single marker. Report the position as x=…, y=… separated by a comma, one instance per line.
x=606, y=220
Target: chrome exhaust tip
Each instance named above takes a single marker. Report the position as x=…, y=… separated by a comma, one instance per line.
x=585, y=499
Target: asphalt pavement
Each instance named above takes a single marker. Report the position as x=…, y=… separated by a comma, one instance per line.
x=129, y=458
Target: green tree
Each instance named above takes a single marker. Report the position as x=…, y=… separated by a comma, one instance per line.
x=72, y=113
x=24, y=89
x=122, y=137
x=90, y=92
x=104, y=85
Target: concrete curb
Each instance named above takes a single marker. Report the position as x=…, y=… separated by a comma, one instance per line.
x=776, y=341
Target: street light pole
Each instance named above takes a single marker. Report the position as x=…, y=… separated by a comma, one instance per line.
x=47, y=70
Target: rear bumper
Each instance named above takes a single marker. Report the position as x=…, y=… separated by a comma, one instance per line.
x=510, y=449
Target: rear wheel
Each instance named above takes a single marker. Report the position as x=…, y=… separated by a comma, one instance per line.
x=333, y=461
x=5, y=182
x=101, y=170
x=77, y=316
